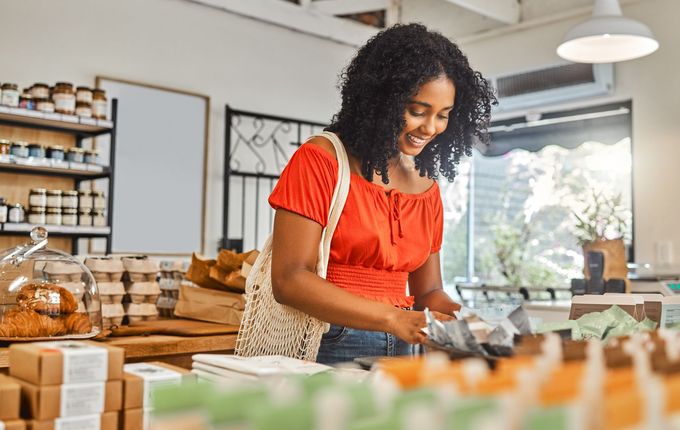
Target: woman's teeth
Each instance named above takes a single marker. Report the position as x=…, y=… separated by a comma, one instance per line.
x=416, y=140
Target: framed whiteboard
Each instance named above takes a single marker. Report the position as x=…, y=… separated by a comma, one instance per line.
x=159, y=168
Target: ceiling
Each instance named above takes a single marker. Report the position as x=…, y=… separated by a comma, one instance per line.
x=352, y=22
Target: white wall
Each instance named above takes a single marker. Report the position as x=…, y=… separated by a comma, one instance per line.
x=248, y=64
x=652, y=84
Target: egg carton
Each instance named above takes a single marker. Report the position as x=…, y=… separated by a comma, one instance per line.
x=105, y=269
x=59, y=271
x=170, y=294
x=140, y=312
x=166, y=307
x=111, y=292
x=143, y=292
x=112, y=315
x=140, y=269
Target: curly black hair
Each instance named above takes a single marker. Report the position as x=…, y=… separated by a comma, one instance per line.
x=384, y=75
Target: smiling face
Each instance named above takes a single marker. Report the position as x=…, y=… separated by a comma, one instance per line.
x=426, y=115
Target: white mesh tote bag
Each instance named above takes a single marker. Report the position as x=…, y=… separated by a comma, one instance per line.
x=270, y=328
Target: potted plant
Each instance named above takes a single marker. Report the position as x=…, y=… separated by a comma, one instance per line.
x=601, y=226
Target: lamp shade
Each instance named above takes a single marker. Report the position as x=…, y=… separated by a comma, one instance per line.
x=607, y=37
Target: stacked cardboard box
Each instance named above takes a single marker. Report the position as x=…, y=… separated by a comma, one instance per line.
x=10, y=395
x=68, y=385
x=140, y=379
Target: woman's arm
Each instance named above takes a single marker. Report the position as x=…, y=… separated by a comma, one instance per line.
x=425, y=284
x=295, y=283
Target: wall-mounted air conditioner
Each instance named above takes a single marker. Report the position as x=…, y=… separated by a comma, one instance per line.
x=552, y=85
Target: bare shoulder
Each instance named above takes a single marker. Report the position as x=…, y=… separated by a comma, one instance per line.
x=323, y=143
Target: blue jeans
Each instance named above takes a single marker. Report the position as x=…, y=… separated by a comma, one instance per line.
x=343, y=344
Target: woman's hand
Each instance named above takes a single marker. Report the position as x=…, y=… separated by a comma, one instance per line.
x=407, y=325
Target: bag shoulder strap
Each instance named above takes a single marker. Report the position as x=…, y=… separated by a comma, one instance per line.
x=337, y=202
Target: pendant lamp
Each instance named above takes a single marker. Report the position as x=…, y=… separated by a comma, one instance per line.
x=607, y=37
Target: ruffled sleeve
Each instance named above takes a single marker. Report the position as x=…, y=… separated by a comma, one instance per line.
x=438, y=224
x=306, y=184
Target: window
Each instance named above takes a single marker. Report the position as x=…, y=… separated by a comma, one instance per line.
x=522, y=189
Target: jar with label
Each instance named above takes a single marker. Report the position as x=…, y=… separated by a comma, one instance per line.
x=44, y=105
x=99, y=200
x=84, y=109
x=5, y=147
x=91, y=156
x=36, y=150
x=40, y=91
x=85, y=218
x=69, y=199
x=36, y=215
x=56, y=152
x=19, y=149
x=75, y=154
x=37, y=197
x=98, y=218
x=84, y=199
x=26, y=100
x=10, y=95
x=16, y=213
x=69, y=217
x=54, y=199
x=83, y=95
x=3, y=210
x=64, y=98
x=100, y=105
x=53, y=216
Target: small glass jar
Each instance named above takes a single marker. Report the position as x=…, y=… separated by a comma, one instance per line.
x=54, y=199
x=37, y=197
x=36, y=150
x=44, y=105
x=40, y=91
x=64, y=98
x=56, y=152
x=53, y=216
x=5, y=147
x=75, y=154
x=84, y=199
x=85, y=217
x=19, y=149
x=10, y=95
x=69, y=200
x=36, y=215
x=98, y=218
x=99, y=201
x=69, y=216
x=84, y=109
x=91, y=156
x=100, y=105
x=26, y=100
x=16, y=213
x=84, y=95
x=4, y=209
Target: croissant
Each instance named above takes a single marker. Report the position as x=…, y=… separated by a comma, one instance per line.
x=47, y=299
x=28, y=323
x=77, y=323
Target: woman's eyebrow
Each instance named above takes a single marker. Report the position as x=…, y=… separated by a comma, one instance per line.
x=427, y=105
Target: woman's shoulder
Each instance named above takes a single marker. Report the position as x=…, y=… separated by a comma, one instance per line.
x=321, y=143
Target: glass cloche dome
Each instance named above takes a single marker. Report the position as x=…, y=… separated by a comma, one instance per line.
x=46, y=294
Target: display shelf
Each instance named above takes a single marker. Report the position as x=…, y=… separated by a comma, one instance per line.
x=87, y=127
x=57, y=230
x=94, y=172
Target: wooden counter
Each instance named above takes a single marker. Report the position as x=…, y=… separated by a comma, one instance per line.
x=175, y=350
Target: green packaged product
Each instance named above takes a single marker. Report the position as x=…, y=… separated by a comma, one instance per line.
x=555, y=418
x=467, y=413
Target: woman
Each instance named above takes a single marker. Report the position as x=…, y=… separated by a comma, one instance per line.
x=411, y=107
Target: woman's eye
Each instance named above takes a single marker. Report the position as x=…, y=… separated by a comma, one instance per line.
x=443, y=117
x=414, y=113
